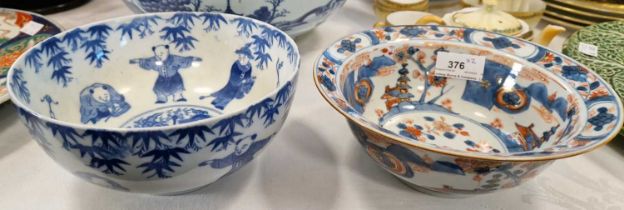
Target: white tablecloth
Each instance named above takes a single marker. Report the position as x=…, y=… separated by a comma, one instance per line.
x=313, y=163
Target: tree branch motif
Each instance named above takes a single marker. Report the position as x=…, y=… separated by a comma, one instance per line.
x=163, y=161
x=245, y=26
x=143, y=142
x=19, y=85
x=192, y=135
x=214, y=21
x=195, y=5
x=142, y=25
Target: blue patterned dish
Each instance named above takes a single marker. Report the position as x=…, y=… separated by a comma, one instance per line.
x=295, y=17
x=158, y=104
x=456, y=136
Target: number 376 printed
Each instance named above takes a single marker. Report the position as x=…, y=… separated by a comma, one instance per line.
x=461, y=65
x=457, y=65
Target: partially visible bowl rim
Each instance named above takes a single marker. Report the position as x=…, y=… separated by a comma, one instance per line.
x=38, y=14
x=20, y=105
x=471, y=155
x=6, y=97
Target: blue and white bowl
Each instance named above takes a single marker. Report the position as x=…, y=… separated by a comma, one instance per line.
x=295, y=17
x=157, y=103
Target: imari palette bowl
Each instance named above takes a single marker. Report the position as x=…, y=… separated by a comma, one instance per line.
x=159, y=103
x=457, y=136
x=295, y=17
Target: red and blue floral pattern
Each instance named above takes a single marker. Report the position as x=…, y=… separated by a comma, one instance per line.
x=405, y=149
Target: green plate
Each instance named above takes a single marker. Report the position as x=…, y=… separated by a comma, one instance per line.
x=609, y=38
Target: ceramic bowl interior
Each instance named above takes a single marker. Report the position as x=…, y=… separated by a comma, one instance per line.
x=532, y=103
x=292, y=16
x=410, y=101
x=153, y=70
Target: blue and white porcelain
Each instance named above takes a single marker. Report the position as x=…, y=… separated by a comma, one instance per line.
x=157, y=103
x=295, y=17
x=458, y=137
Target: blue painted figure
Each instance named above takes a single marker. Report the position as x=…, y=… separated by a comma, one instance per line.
x=168, y=66
x=50, y=101
x=244, y=153
x=101, y=101
x=240, y=82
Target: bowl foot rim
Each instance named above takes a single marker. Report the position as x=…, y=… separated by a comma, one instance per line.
x=182, y=192
x=432, y=192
